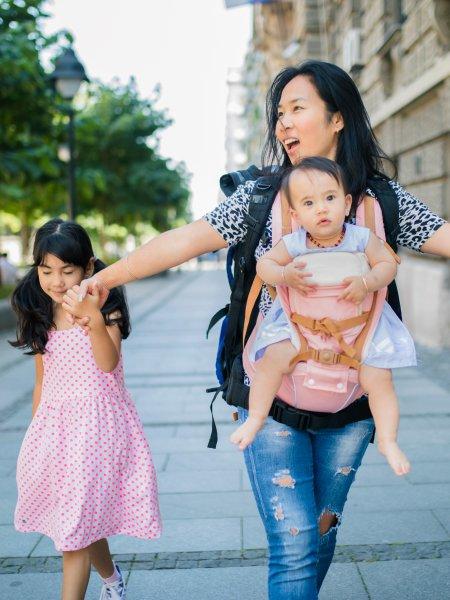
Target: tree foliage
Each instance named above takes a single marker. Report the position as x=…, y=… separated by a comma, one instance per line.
x=120, y=171
x=28, y=157
x=121, y=175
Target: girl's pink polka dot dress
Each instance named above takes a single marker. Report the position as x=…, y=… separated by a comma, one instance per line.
x=85, y=470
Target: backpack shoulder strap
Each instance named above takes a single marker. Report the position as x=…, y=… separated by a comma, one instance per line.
x=388, y=201
x=230, y=181
x=262, y=197
x=261, y=200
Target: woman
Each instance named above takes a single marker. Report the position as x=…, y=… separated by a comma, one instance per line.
x=300, y=479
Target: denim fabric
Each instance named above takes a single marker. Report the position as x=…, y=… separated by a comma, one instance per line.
x=296, y=476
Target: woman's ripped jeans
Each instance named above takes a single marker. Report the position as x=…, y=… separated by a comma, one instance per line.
x=300, y=480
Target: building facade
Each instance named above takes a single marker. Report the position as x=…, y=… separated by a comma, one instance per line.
x=398, y=53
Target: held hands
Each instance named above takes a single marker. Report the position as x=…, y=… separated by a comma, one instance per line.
x=295, y=277
x=356, y=290
x=83, y=303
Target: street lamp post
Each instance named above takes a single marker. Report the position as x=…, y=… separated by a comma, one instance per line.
x=67, y=76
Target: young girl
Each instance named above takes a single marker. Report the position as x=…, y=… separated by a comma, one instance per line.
x=84, y=470
x=319, y=202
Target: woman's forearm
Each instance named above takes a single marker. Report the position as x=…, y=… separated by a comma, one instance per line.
x=439, y=242
x=167, y=250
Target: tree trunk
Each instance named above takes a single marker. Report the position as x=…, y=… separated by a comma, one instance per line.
x=25, y=235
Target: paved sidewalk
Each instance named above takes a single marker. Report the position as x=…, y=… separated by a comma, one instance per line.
x=395, y=538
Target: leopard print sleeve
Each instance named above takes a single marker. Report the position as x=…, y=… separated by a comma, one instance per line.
x=227, y=218
x=417, y=222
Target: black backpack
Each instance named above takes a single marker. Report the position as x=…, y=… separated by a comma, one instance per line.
x=241, y=271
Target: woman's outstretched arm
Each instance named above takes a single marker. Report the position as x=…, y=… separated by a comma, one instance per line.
x=439, y=242
x=167, y=250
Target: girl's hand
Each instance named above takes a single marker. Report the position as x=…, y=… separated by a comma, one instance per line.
x=91, y=285
x=89, y=307
x=356, y=291
x=295, y=277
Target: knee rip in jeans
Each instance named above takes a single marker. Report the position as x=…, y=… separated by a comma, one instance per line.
x=284, y=479
x=345, y=470
x=329, y=520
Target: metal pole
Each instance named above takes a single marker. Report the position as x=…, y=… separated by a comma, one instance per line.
x=72, y=201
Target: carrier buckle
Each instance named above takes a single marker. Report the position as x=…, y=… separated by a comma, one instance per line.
x=326, y=357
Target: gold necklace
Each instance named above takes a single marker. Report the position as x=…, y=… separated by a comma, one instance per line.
x=319, y=245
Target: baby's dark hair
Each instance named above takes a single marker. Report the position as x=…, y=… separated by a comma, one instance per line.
x=313, y=163
x=34, y=308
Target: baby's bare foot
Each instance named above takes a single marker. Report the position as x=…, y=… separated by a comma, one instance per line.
x=395, y=457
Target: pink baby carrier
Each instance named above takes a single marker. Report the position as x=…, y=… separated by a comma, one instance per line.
x=331, y=337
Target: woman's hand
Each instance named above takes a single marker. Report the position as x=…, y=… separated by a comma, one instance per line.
x=356, y=290
x=295, y=277
x=88, y=307
x=93, y=285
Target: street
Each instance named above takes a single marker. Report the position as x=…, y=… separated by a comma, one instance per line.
x=394, y=541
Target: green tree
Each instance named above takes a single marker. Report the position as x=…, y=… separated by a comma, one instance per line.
x=120, y=172
x=29, y=167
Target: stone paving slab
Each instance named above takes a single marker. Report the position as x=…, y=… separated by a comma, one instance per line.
x=390, y=527
x=415, y=580
x=249, y=583
x=209, y=505
x=199, y=481
x=417, y=452
x=206, y=460
x=443, y=515
x=418, y=497
x=194, y=584
x=423, y=473
x=16, y=544
x=43, y=586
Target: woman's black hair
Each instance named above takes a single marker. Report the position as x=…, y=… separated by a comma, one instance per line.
x=358, y=151
x=314, y=163
x=34, y=308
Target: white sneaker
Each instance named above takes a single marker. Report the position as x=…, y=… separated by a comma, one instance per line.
x=114, y=591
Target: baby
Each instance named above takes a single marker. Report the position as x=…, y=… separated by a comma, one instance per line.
x=319, y=202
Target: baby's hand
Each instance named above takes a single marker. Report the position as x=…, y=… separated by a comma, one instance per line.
x=88, y=307
x=245, y=434
x=356, y=290
x=295, y=277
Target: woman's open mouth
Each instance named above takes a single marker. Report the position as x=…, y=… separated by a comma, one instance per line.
x=291, y=144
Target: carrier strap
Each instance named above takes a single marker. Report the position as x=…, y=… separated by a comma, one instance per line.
x=361, y=339
x=332, y=328
x=286, y=221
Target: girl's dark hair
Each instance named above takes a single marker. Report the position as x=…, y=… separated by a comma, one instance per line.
x=34, y=308
x=358, y=152
x=314, y=163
